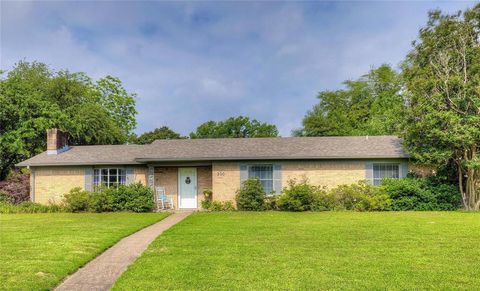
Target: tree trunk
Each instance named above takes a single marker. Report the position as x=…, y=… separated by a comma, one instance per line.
x=470, y=195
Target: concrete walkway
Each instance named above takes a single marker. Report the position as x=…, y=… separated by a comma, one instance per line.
x=104, y=270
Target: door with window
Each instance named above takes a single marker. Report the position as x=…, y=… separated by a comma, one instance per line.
x=187, y=187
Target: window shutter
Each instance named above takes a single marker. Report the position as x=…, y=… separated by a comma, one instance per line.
x=277, y=178
x=369, y=172
x=243, y=173
x=89, y=179
x=130, y=177
x=403, y=170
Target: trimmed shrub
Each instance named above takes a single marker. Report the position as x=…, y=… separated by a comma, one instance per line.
x=297, y=196
x=101, y=201
x=271, y=202
x=251, y=196
x=29, y=207
x=77, y=200
x=361, y=197
x=422, y=194
x=324, y=201
x=134, y=197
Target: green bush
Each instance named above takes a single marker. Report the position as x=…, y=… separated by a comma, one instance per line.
x=134, y=197
x=29, y=207
x=206, y=204
x=271, y=202
x=101, y=201
x=297, y=196
x=251, y=196
x=324, y=201
x=419, y=194
x=361, y=197
x=221, y=206
x=77, y=200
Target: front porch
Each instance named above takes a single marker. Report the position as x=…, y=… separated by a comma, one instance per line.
x=183, y=184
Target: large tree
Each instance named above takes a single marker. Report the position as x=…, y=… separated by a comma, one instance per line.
x=235, y=127
x=163, y=132
x=34, y=98
x=371, y=105
x=442, y=75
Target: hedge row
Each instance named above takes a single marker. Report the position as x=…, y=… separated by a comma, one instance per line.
x=391, y=195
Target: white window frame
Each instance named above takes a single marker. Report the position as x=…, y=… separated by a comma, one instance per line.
x=377, y=181
x=98, y=181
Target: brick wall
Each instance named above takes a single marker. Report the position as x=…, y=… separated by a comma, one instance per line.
x=50, y=183
x=141, y=174
x=225, y=180
x=324, y=173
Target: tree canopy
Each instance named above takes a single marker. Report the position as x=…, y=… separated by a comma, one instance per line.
x=34, y=98
x=370, y=105
x=163, y=132
x=442, y=79
x=235, y=127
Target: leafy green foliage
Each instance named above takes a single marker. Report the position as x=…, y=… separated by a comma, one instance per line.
x=235, y=127
x=221, y=206
x=442, y=76
x=158, y=133
x=77, y=200
x=298, y=196
x=251, y=196
x=35, y=98
x=422, y=194
x=134, y=198
x=371, y=105
x=361, y=197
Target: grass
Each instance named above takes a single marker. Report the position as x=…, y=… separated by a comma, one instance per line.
x=38, y=250
x=311, y=251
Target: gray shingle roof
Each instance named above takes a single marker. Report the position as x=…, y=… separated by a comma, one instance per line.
x=351, y=147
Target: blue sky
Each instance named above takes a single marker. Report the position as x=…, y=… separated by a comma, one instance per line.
x=190, y=62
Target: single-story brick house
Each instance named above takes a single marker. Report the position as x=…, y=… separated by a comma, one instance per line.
x=186, y=167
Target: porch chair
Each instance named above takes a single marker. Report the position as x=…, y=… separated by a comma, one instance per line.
x=163, y=201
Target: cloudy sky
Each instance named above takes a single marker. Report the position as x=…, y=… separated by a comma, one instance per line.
x=190, y=62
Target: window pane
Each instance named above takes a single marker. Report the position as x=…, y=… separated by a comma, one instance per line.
x=381, y=171
x=113, y=172
x=265, y=174
x=121, y=176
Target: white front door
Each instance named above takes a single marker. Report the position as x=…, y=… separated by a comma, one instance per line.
x=187, y=187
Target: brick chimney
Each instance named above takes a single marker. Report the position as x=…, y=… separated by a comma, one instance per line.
x=57, y=141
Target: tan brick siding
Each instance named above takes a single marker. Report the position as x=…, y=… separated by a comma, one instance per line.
x=52, y=182
x=225, y=180
x=140, y=175
x=324, y=173
x=204, y=181
x=168, y=177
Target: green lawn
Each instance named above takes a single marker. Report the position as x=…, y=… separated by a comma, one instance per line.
x=38, y=250
x=311, y=251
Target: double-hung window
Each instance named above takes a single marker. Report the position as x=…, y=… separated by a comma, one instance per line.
x=384, y=170
x=265, y=174
x=110, y=177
